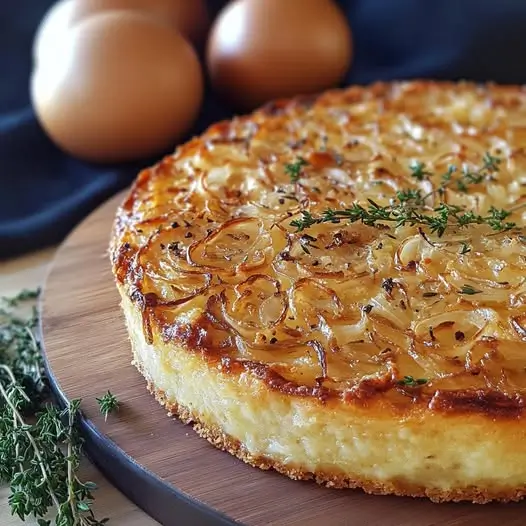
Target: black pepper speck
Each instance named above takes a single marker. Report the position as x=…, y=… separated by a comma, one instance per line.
x=459, y=336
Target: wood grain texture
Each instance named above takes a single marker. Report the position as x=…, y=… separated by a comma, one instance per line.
x=88, y=352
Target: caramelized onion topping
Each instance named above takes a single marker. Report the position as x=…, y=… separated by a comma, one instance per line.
x=204, y=246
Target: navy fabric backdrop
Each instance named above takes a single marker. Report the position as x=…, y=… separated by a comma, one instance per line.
x=44, y=193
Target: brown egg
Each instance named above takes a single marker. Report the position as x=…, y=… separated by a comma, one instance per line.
x=190, y=17
x=50, y=32
x=123, y=86
x=259, y=50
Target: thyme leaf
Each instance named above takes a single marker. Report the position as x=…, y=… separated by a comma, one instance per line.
x=491, y=163
x=469, y=290
x=108, y=403
x=410, y=196
x=409, y=381
x=464, y=248
x=306, y=243
x=293, y=170
x=418, y=170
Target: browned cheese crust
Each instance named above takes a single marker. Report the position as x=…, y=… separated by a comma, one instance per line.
x=241, y=249
x=332, y=480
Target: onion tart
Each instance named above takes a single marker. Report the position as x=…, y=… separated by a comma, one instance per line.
x=335, y=288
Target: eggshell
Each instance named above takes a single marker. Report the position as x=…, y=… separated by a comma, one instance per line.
x=190, y=17
x=50, y=32
x=259, y=50
x=123, y=86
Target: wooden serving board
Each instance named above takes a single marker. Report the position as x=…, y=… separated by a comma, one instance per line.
x=161, y=464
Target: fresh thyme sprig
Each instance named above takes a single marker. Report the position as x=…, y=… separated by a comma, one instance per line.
x=19, y=349
x=409, y=206
x=441, y=217
x=293, y=170
x=40, y=448
x=21, y=297
x=490, y=165
x=108, y=403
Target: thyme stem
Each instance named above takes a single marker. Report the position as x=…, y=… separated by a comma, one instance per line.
x=40, y=448
x=20, y=421
x=409, y=207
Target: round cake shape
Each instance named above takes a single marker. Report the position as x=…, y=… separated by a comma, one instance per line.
x=334, y=287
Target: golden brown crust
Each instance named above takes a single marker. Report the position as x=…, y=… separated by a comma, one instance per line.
x=334, y=480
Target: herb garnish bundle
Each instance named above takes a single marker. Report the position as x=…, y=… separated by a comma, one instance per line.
x=409, y=206
x=40, y=448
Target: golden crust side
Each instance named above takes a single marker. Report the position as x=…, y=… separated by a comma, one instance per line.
x=334, y=480
x=417, y=433
x=405, y=298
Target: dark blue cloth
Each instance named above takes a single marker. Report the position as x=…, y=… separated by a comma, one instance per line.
x=44, y=193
